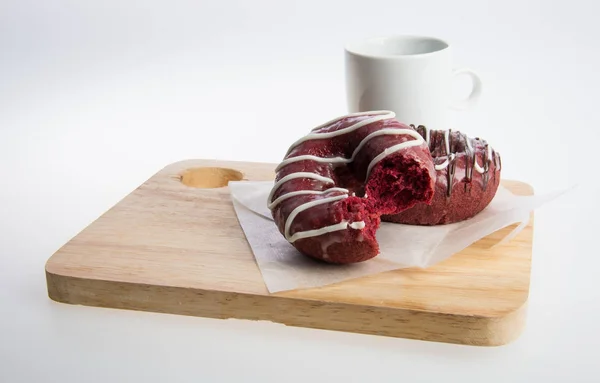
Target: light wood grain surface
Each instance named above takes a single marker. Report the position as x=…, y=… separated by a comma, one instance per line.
x=174, y=245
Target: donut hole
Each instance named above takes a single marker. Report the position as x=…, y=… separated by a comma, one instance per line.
x=398, y=183
x=209, y=177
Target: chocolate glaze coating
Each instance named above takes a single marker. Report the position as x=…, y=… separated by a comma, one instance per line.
x=461, y=191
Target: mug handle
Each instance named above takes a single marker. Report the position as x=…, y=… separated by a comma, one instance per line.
x=475, y=92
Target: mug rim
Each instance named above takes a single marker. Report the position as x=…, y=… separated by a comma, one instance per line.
x=350, y=47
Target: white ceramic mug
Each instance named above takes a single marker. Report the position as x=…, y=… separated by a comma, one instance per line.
x=409, y=75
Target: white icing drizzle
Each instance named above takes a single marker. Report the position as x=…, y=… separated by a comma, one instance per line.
x=418, y=140
x=310, y=157
x=358, y=114
x=489, y=156
x=377, y=116
x=393, y=149
x=479, y=169
x=311, y=233
x=301, y=192
x=358, y=225
x=445, y=164
x=298, y=175
x=452, y=156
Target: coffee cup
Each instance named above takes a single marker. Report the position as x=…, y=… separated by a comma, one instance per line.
x=409, y=75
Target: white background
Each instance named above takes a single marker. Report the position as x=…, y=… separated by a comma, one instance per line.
x=96, y=96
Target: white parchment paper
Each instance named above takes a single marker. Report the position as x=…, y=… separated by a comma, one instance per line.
x=284, y=268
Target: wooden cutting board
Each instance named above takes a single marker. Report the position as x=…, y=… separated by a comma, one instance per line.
x=174, y=245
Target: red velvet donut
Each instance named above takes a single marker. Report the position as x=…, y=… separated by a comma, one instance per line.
x=334, y=184
x=467, y=173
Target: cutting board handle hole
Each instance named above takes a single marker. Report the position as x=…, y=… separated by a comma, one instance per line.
x=209, y=177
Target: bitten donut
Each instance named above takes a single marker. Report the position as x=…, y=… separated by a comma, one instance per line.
x=334, y=184
x=467, y=178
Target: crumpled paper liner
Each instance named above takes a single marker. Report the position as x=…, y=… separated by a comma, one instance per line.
x=284, y=268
